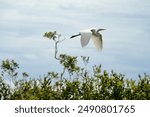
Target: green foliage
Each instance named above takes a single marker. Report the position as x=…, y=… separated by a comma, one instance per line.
x=73, y=83
x=51, y=35
x=69, y=63
x=9, y=67
x=4, y=90
x=98, y=85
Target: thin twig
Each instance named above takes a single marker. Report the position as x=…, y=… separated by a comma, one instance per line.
x=56, y=47
x=56, y=50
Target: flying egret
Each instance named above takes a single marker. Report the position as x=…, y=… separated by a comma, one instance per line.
x=93, y=34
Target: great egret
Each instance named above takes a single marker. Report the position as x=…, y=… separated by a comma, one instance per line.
x=93, y=34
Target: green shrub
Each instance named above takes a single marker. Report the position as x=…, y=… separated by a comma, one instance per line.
x=73, y=83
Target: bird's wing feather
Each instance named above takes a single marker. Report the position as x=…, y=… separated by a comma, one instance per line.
x=98, y=42
x=85, y=38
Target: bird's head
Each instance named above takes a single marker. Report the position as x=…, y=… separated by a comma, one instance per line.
x=93, y=30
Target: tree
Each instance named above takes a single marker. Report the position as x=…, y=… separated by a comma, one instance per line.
x=79, y=84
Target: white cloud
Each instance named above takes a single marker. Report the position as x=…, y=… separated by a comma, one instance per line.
x=23, y=22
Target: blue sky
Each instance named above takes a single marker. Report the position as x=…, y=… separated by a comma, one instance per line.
x=126, y=40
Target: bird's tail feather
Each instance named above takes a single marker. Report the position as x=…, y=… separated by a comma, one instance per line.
x=75, y=35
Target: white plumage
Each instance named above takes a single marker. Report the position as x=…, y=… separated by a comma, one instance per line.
x=93, y=34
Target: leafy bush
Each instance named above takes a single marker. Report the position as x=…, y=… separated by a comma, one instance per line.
x=73, y=83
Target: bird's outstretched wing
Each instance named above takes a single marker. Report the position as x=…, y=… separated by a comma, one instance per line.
x=98, y=42
x=85, y=38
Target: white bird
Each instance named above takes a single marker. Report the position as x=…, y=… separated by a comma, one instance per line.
x=93, y=34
